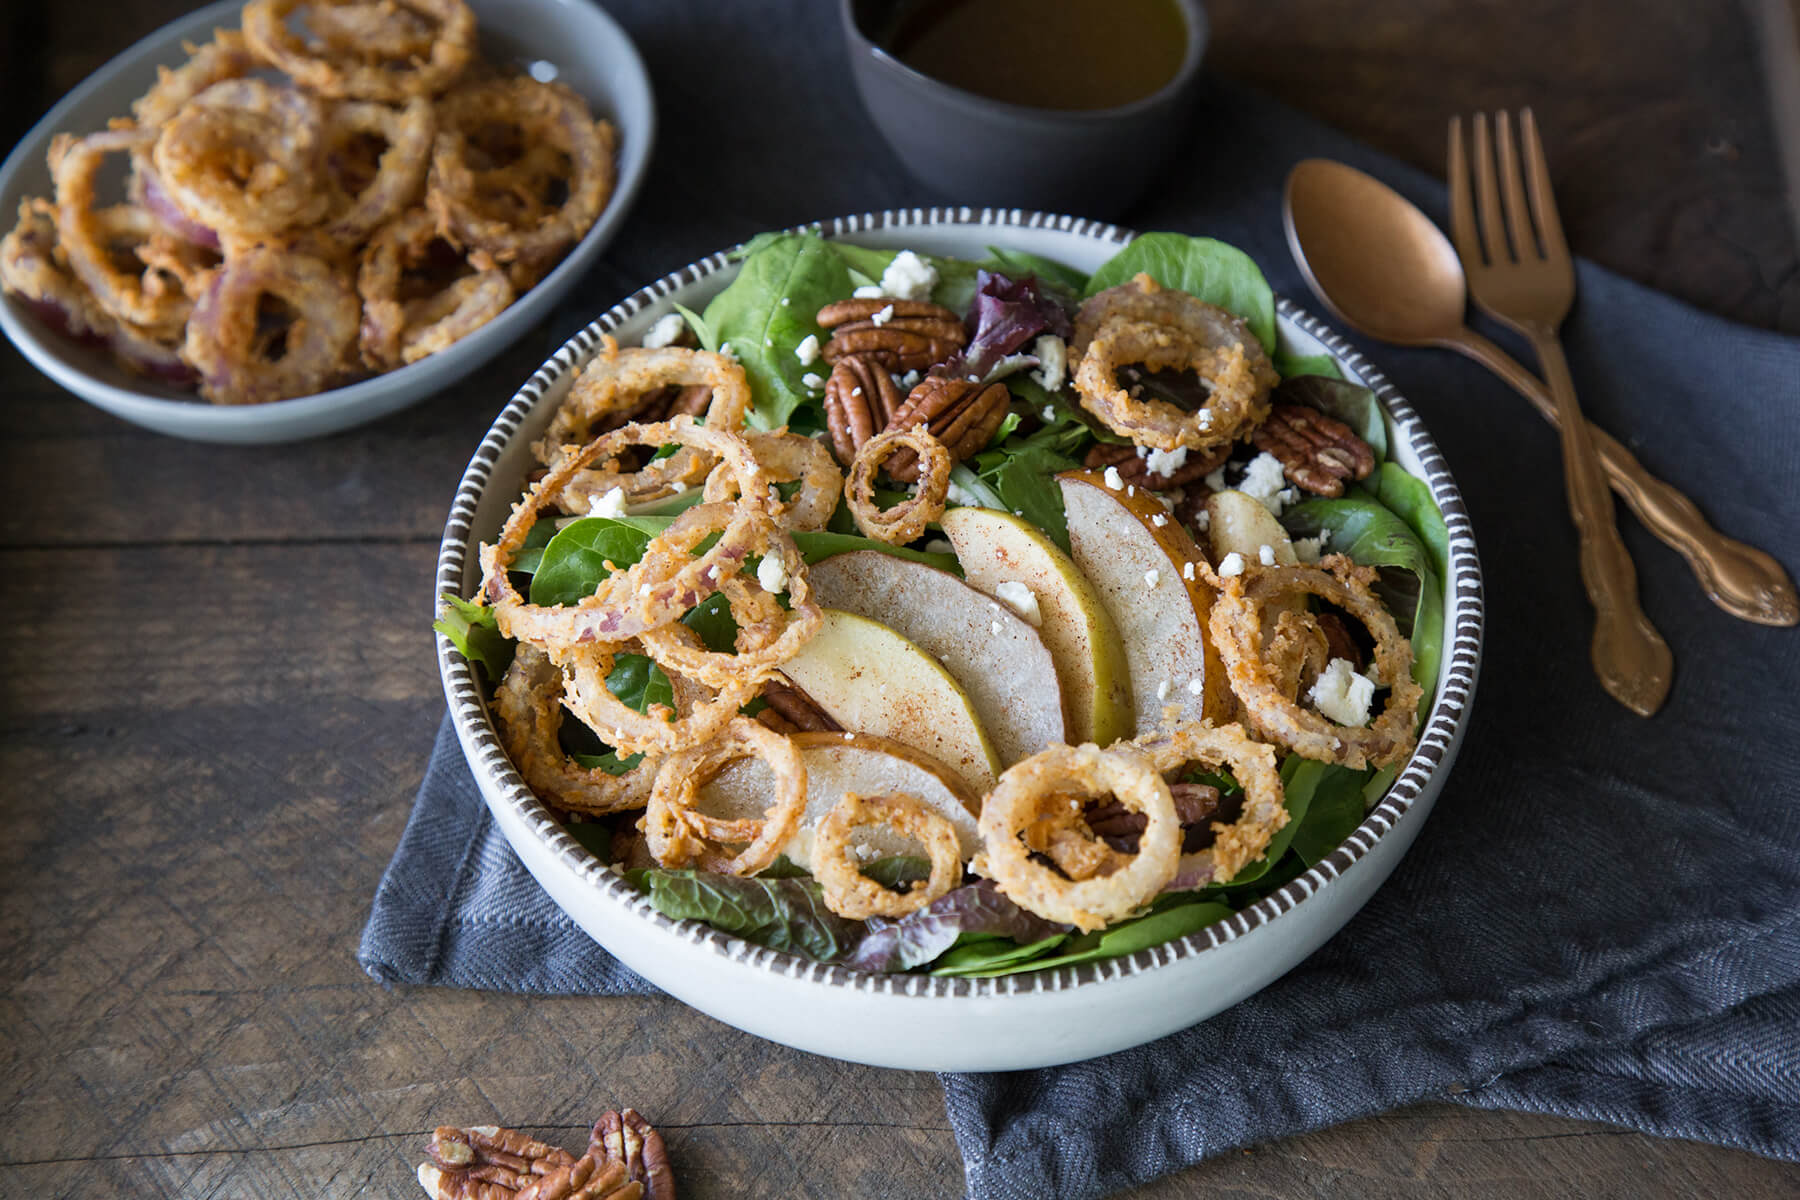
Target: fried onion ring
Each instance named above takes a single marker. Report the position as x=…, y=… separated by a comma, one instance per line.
x=790, y=458
x=548, y=116
x=229, y=346
x=1236, y=627
x=1163, y=329
x=672, y=825
x=396, y=331
x=907, y=520
x=242, y=158
x=659, y=730
x=528, y=711
x=768, y=635
x=850, y=893
x=1049, y=778
x=29, y=270
x=366, y=69
x=227, y=56
x=1253, y=765
x=399, y=180
x=151, y=298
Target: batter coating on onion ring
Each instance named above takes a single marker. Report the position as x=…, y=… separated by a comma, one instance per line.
x=1253, y=765
x=243, y=158
x=790, y=458
x=1163, y=329
x=528, y=713
x=907, y=520
x=363, y=72
x=1236, y=627
x=152, y=298
x=850, y=893
x=658, y=729
x=1059, y=777
x=768, y=635
x=230, y=349
x=673, y=827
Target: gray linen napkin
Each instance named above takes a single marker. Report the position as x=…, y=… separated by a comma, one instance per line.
x=1601, y=919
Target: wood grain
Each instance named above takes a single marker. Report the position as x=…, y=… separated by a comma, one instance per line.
x=219, y=693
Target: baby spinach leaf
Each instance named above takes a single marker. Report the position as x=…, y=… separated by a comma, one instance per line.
x=898, y=870
x=1362, y=527
x=822, y=544
x=1350, y=403
x=782, y=914
x=1019, y=262
x=471, y=628
x=593, y=837
x=1293, y=366
x=992, y=956
x=703, y=332
x=1203, y=267
x=1410, y=499
x=574, y=561
x=955, y=288
x=1182, y=915
x=769, y=309
x=1333, y=811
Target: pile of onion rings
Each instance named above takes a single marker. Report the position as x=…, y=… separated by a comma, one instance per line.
x=416, y=191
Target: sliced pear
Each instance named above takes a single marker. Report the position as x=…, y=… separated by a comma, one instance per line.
x=1239, y=524
x=1145, y=567
x=872, y=679
x=994, y=653
x=854, y=762
x=996, y=548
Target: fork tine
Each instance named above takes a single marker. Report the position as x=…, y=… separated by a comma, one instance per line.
x=1537, y=176
x=1462, y=204
x=1518, y=213
x=1487, y=195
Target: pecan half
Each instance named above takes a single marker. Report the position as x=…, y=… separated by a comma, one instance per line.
x=794, y=708
x=860, y=396
x=914, y=333
x=626, y=1138
x=1134, y=468
x=1316, y=451
x=625, y=1160
x=1120, y=828
x=958, y=413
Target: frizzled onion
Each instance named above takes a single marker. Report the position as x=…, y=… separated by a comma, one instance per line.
x=850, y=893
x=673, y=827
x=908, y=519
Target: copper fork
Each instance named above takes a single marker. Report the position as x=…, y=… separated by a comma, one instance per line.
x=1511, y=245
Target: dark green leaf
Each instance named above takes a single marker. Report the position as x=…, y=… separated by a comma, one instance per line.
x=639, y=683
x=898, y=870
x=1018, y=263
x=1333, y=811
x=1208, y=269
x=784, y=868
x=1186, y=915
x=782, y=914
x=1408, y=498
x=574, y=562
x=1290, y=366
x=992, y=956
x=471, y=629
x=1255, y=874
x=594, y=837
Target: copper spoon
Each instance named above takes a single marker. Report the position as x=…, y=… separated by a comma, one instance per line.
x=1385, y=269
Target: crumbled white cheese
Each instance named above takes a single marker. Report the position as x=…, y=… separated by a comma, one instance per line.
x=1053, y=362
x=786, y=300
x=1021, y=600
x=1307, y=550
x=1289, y=496
x=768, y=343
x=1264, y=482
x=1187, y=570
x=1204, y=418
x=1196, y=685
x=1159, y=520
x=1166, y=462
x=881, y=316
x=1216, y=480
x=665, y=332
x=869, y=291
x=771, y=572
x=1049, y=413
x=612, y=504
x=865, y=852
x=727, y=351
x=1341, y=695
x=1112, y=480
x=908, y=277
x=811, y=379
x=910, y=380
x=1202, y=520
x=1265, y=554
x=677, y=486
x=1162, y=690
x=808, y=350
x=1231, y=564
x=1152, y=578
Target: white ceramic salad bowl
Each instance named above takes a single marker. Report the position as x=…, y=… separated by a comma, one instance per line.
x=923, y=1022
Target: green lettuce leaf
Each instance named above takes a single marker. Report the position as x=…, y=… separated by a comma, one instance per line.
x=955, y=288
x=471, y=628
x=1170, y=917
x=1017, y=263
x=1333, y=809
x=574, y=562
x=1292, y=366
x=1208, y=269
x=782, y=914
x=1408, y=498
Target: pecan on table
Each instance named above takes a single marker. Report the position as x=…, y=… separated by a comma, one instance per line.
x=1134, y=468
x=485, y=1162
x=625, y=1160
x=1316, y=451
x=860, y=396
x=626, y=1138
x=958, y=413
x=914, y=333
x=791, y=710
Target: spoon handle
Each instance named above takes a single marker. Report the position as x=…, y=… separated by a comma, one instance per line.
x=1746, y=582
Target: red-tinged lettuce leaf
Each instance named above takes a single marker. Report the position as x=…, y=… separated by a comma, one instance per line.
x=914, y=940
x=1007, y=315
x=782, y=914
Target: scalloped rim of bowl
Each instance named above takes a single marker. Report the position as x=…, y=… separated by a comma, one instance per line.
x=183, y=414
x=1415, y=785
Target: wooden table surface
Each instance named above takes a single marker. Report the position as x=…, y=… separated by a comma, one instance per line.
x=220, y=694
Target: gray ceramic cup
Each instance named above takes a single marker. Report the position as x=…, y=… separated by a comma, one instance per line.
x=979, y=151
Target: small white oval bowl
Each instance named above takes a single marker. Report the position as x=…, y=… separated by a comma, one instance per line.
x=592, y=54
x=919, y=1022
